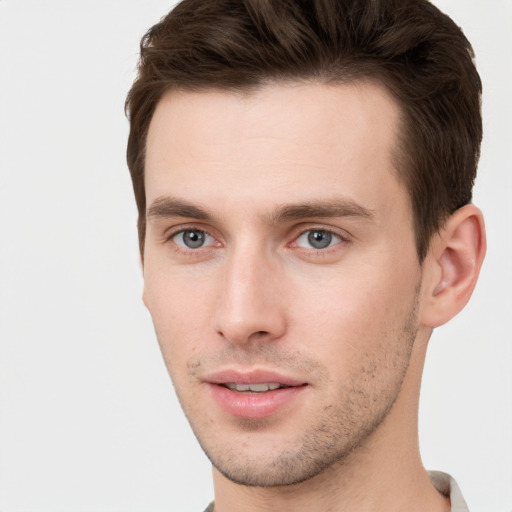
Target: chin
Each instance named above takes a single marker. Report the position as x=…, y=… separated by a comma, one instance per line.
x=316, y=453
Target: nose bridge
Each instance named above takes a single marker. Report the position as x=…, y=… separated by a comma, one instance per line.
x=249, y=302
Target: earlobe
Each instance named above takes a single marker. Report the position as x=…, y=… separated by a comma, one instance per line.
x=454, y=261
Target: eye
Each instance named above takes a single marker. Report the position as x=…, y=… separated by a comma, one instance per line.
x=192, y=239
x=318, y=239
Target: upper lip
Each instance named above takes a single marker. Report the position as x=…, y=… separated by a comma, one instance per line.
x=252, y=377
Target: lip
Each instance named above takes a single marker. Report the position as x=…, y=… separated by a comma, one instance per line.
x=253, y=405
x=251, y=377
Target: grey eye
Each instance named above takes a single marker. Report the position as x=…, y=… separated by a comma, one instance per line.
x=191, y=238
x=317, y=239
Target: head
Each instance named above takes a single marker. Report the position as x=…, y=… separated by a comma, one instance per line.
x=301, y=171
x=416, y=52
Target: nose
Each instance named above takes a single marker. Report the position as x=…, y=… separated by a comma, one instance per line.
x=251, y=303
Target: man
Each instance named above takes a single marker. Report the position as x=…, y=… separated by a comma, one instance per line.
x=303, y=174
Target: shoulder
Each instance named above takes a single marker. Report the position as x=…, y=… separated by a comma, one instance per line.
x=446, y=485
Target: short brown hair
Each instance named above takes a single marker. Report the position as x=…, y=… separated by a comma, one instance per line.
x=418, y=53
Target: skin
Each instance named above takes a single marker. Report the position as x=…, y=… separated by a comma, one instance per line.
x=351, y=321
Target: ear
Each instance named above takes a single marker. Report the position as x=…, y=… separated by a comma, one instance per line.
x=452, y=266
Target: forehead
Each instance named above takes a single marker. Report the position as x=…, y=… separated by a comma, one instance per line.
x=281, y=141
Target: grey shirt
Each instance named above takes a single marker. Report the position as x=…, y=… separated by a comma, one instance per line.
x=443, y=482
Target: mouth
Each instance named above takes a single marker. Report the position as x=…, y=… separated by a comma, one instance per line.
x=255, y=388
x=256, y=394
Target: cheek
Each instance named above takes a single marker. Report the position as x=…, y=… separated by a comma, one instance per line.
x=179, y=311
x=354, y=311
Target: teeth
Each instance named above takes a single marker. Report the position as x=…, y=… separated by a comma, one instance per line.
x=255, y=388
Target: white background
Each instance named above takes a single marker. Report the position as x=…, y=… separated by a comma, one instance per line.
x=88, y=418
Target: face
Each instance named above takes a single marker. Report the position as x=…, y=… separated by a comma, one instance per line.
x=280, y=271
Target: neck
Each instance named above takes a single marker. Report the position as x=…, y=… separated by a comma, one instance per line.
x=385, y=473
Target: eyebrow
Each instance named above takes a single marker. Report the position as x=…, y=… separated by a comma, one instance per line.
x=167, y=207
x=324, y=209
x=164, y=207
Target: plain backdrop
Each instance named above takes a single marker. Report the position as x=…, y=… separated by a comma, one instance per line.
x=88, y=417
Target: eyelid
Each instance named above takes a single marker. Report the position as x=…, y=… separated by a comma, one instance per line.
x=207, y=239
x=171, y=232
x=338, y=232
x=334, y=239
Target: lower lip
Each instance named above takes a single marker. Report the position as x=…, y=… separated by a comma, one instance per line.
x=254, y=405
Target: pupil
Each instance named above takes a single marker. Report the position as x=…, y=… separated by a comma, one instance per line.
x=319, y=239
x=193, y=239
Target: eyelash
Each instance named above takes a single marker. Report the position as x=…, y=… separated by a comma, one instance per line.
x=325, y=250
x=191, y=252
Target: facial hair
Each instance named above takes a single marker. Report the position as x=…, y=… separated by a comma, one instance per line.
x=340, y=427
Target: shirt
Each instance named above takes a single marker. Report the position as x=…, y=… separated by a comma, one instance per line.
x=443, y=482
